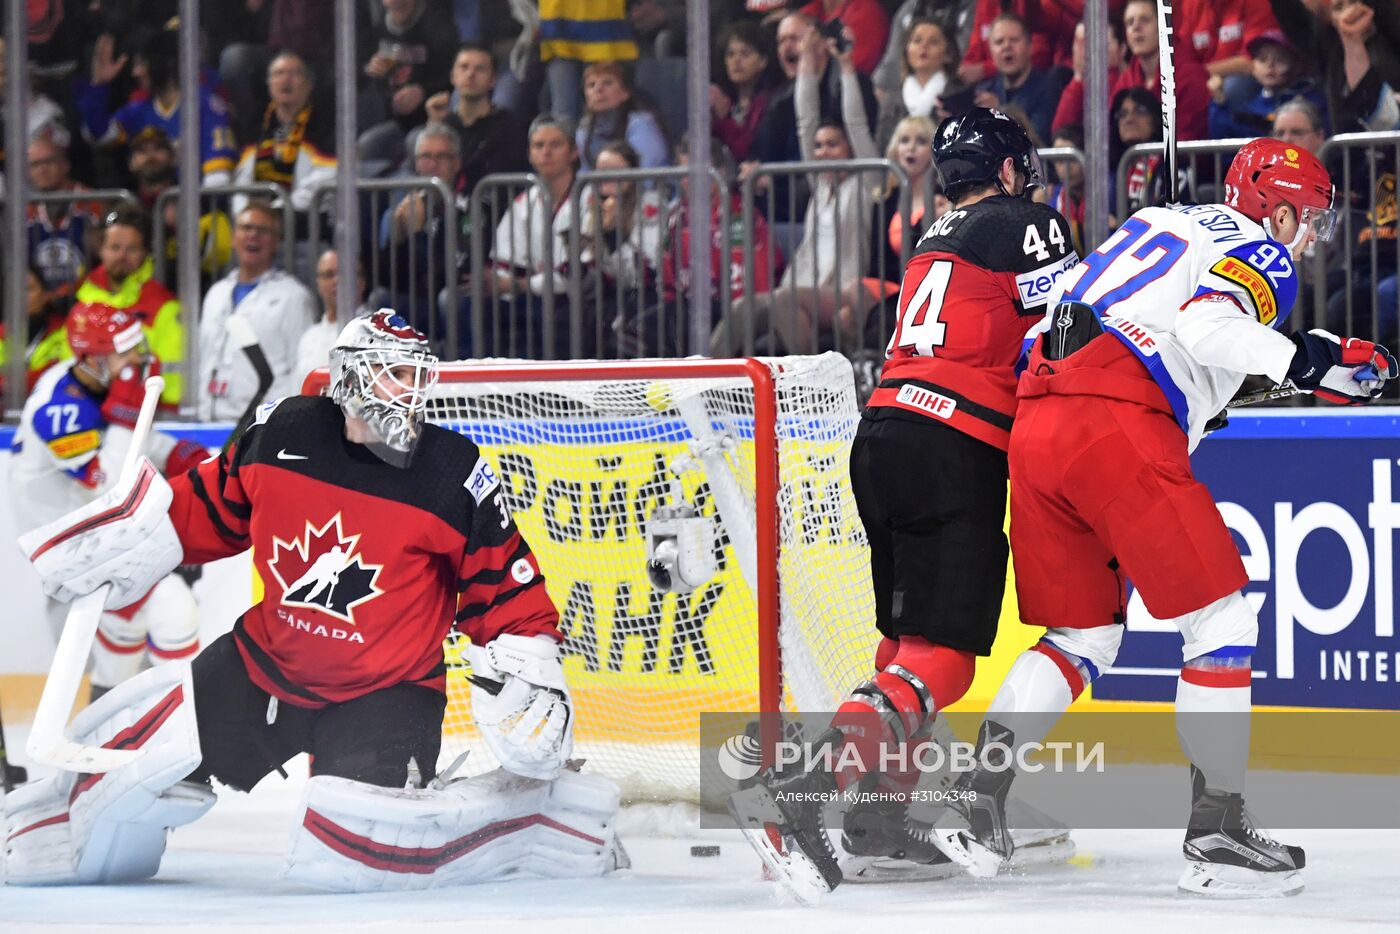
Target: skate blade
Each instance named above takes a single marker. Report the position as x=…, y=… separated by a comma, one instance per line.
x=975, y=859
x=1212, y=880
x=753, y=810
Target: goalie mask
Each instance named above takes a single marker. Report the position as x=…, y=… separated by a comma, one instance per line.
x=382, y=372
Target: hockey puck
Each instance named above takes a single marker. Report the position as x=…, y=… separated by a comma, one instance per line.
x=705, y=850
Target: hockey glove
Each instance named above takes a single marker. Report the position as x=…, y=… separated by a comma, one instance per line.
x=123, y=538
x=125, y=394
x=1342, y=370
x=185, y=456
x=522, y=705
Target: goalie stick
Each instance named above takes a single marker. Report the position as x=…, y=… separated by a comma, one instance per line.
x=48, y=742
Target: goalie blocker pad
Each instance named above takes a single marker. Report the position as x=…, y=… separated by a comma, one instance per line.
x=356, y=837
x=123, y=538
x=111, y=827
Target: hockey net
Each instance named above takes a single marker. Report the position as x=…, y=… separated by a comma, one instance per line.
x=586, y=453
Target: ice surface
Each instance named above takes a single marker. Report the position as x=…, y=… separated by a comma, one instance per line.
x=221, y=874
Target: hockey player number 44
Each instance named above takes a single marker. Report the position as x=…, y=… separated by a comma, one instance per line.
x=919, y=327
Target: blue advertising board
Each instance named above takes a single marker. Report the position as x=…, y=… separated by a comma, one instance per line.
x=1312, y=498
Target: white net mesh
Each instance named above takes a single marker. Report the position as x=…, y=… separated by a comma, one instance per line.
x=584, y=463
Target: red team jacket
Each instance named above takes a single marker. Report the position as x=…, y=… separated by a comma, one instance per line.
x=365, y=567
x=978, y=280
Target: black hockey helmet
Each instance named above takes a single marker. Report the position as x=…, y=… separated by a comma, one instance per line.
x=968, y=150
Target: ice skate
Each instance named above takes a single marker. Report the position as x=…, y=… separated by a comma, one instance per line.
x=1228, y=856
x=884, y=844
x=983, y=846
x=781, y=816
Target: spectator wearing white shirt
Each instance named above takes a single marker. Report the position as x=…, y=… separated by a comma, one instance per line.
x=314, y=348
x=277, y=306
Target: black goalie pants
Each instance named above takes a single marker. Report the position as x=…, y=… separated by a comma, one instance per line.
x=371, y=739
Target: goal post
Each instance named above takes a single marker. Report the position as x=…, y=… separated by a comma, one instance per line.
x=731, y=477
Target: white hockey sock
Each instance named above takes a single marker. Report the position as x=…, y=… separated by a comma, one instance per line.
x=1215, y=684
x=1032, y=698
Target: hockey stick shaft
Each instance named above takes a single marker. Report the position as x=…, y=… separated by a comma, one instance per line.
x=1166, y=63
x=1284, y=391
x=47, y=740
x=247, y=339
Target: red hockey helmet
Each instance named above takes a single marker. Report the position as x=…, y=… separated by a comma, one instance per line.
x=1268, y=172
x=97, y=330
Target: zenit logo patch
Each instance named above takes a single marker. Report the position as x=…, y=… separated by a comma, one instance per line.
x=1253, y=282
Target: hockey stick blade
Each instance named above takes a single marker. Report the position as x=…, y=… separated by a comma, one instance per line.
x=48, y=741
x=10, y=775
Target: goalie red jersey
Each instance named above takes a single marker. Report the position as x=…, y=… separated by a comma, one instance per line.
x=359, y=560
x=978, y=280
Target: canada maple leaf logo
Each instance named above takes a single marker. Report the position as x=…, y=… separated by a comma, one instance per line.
x=322, y=570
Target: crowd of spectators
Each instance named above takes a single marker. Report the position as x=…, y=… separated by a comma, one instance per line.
x=457, y=90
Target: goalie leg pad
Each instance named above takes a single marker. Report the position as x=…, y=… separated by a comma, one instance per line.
x=364, y=838
x=116, y=821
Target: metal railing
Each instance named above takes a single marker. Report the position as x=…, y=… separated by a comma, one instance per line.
x=521, y=337
x=1358, y=248
x=1048, y=157
x=274, y=193
x=640, y=281
x=1350, y=286
x=821, y=329
x=428, y=303
x=1201, y=184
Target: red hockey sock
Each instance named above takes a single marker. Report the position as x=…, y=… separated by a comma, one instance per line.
x=946, y=673
x=884, y=652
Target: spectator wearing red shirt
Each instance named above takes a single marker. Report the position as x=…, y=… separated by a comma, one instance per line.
x=1070, y=111
x=865, y=18
x=1048, y=30
x=1220, y=32
x=1142, y=70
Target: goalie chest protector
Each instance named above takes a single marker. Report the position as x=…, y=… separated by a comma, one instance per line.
x=364, y=567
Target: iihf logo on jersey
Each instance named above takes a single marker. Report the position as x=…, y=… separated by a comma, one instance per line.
x=321, y=569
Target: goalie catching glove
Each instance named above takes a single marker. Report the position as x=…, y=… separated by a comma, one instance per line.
x=123, y=538
x=522, y=705
x=1342, y=370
